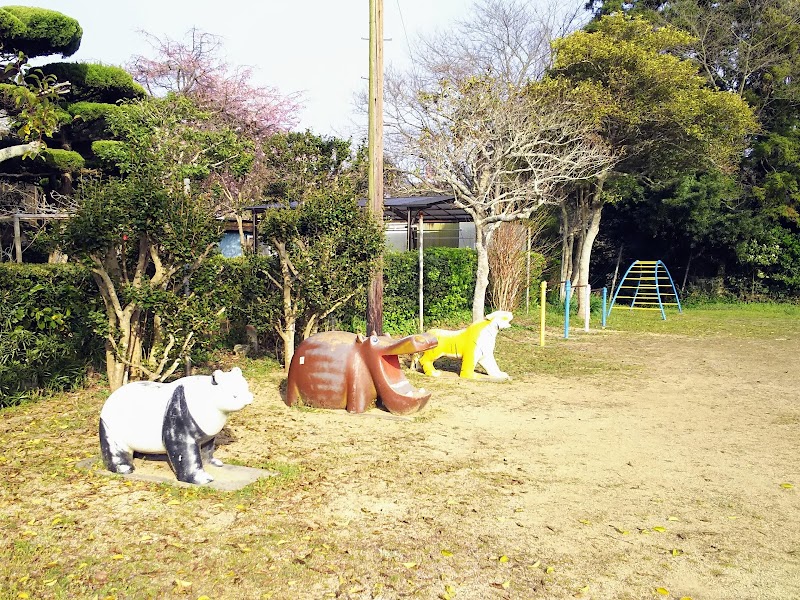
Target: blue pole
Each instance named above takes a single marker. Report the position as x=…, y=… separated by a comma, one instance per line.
x=603, y=314
x=567, y=291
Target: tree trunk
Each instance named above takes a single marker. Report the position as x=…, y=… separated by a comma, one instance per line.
x=242, y=239
x=65, y=187
x=288, y=337
x=594, y=208
x=483, y=235
x=14, y=151
x=287, y=333
x=686, y=273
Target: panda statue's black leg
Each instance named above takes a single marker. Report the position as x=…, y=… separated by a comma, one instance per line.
x=207, y=453
x=181, y=435
x=116, y=459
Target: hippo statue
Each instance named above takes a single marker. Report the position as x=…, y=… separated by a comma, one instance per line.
x=336, y=369
x=179, y=419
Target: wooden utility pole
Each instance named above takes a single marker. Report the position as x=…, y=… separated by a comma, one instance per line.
x=375, y=292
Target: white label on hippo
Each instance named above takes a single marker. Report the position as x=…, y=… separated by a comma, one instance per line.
x=302, y=360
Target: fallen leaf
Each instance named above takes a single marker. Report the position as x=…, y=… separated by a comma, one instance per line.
x=117, y=557
x=409, y=565
x=586, y=521
x=183, y=584
x=536, y=564
x=685, y=598
x=173, y=502
x=549, y=569
x=677, y=552
x=659, y=529
x=787, y=486
x=503, y=559
x=622, y=531
x=446, y=553
x=673, y=519
x=662, y=591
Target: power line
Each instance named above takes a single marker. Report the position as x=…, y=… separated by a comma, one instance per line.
x=405, y=33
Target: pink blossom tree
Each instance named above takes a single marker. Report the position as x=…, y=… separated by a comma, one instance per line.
x=194, y=67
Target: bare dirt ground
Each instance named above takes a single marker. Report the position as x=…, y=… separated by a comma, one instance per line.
x=671, y=471
x=664, y=475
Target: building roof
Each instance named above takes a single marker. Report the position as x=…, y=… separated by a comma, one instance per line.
x=435, y=209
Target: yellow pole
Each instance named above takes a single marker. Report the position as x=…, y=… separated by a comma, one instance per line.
x=542, y=302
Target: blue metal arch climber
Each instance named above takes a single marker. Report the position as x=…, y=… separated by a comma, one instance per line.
x=647, y=284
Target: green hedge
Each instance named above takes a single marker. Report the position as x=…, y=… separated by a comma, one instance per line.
x=448, y=286
x=50, y=314
x=38, y=31
x=66, y=161
x=47, y=317
x=91, y=82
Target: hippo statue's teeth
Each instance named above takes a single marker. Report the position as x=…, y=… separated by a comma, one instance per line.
x=402, y=387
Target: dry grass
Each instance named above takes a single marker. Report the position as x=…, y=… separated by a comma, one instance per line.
x=615, y=463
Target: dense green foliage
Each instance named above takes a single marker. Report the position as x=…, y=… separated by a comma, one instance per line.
x=63, y=160
x=737, y=233
x=95, y=82
x=54, y=323
x=38, y=31
x=91, y=111
x=448, y=286
x=47, y=317
x=144, y=233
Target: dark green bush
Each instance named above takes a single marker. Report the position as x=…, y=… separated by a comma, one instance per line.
x=95, y=82
x=65, y=161
x=52, y=318
x=448, y=287
x=91, y=111
x=38, y=31
x=109, y=152
x=47, y=319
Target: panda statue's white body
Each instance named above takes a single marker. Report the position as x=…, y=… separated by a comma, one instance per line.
x=179, y=419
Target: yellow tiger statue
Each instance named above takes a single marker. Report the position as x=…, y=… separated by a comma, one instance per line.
x=473, y=345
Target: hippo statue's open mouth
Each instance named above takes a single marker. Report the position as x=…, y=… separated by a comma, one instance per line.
x=336, y=369
x=395, y=391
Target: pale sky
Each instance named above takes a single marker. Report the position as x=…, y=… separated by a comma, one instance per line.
x=317, y=47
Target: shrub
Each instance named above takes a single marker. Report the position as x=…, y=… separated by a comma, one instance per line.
x=47, y=319
x=65, y=161
x=95, y=82
x=91, y=111
x=448, y=287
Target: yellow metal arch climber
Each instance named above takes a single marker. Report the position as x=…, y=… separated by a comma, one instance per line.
x=647, y=285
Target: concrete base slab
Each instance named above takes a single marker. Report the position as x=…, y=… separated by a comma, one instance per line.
x=227, y=478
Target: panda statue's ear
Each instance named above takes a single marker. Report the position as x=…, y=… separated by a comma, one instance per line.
x=236, y=371
x=215, y=377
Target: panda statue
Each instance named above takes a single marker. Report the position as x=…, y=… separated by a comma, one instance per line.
x=179, y=419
